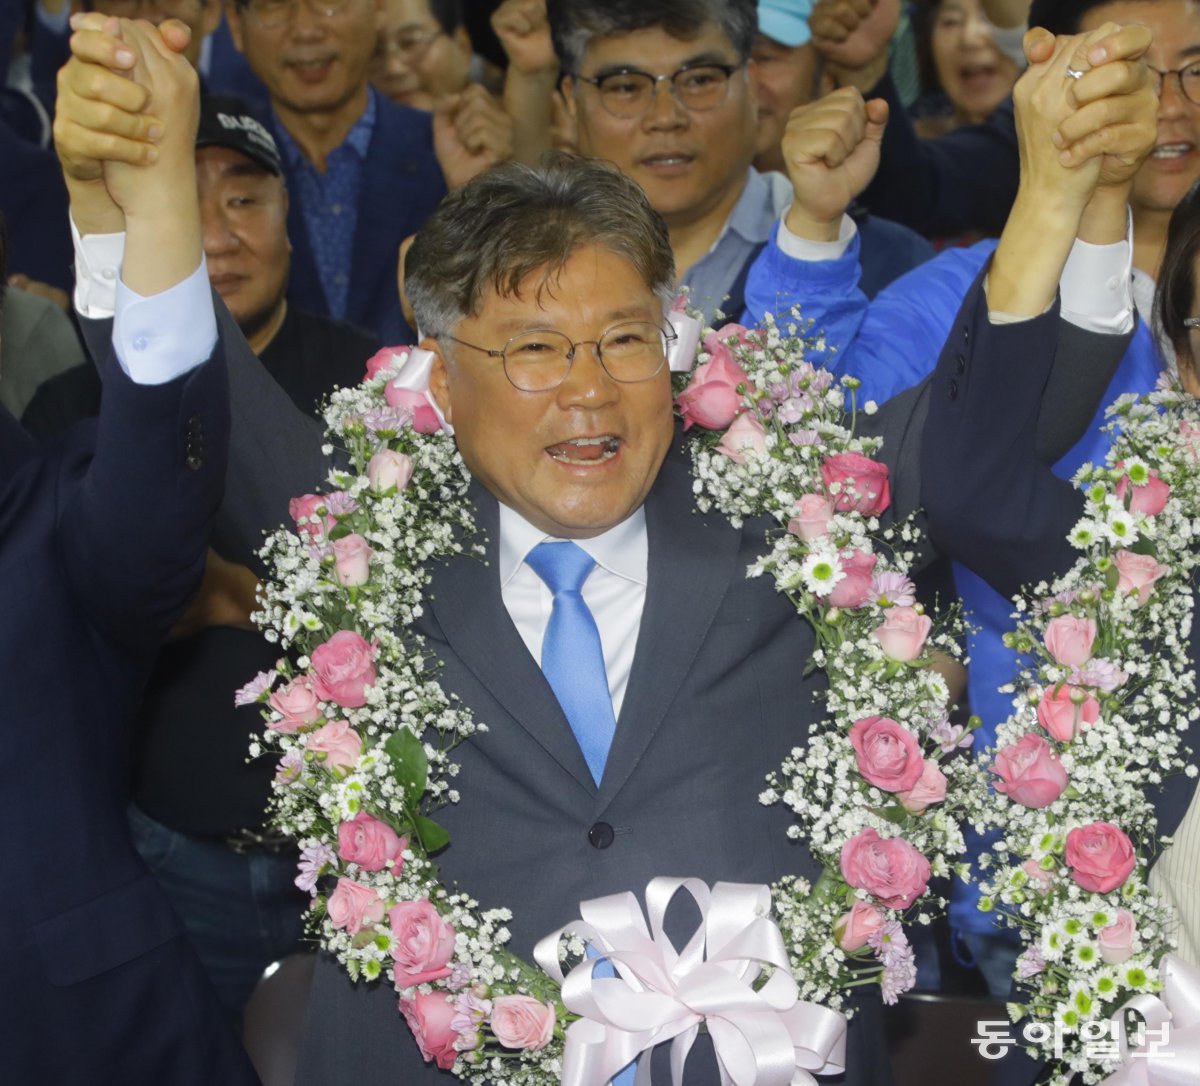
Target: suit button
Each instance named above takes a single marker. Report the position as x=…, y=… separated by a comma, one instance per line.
x=952, y=389
x=966, y=334
x=960, y=363
x=601, y=835
x=195, y=461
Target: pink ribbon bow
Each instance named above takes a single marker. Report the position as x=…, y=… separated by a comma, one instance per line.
x=763, y=1035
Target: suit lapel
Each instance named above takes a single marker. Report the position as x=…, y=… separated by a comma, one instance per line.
x=465, y=599
x=692, y=559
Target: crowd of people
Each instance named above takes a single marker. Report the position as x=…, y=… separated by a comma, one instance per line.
x=208, y=223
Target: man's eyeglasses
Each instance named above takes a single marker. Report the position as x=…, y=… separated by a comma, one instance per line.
x=409, y=45
x=1189, y=81
x=540, y=360
x=274, y=13
x=696, y=87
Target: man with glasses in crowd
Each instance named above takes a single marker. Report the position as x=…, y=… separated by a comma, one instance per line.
x=666, y=90
x=363, y=172
x=423, y=53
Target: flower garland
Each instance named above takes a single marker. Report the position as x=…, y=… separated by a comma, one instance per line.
x=1097, y=720
x=364, y=732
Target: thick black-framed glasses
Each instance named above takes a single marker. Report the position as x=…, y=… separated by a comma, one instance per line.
x=628, y=93
x=1188, y=77
x=540, y=360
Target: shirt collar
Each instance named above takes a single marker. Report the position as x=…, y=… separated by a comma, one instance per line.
x=753, y=215
x=358, y=139
x=623, y=550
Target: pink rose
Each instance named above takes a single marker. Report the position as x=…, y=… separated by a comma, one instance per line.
x=386, y=358
x=1149, y=499
x=745, y=435
x=854, y=928
x=371, y=844
x=1100, y=856
x=424, y=417
x=1070, y=639
x=424, y=943
x=305, y=508
x=1039, y=878
x=353, y=906
x=298, y=703
x=429, y=1015
x=388, y=469
x=863, y=483
x=711, y=398
x=930, y=788
x=812, y=517
x=1191, y=439
x=854, y=589
x=1137, y=573
x=888, y=755
x=1029, y=772
x=1116, y=940
x=343, y=668
x=520, y=1021
x=338, y=742
x=891, y=870
x=1064, y=718
x=352, y=560
x=903, y=632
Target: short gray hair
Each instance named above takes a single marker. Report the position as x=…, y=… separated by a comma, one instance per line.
x=574, y=23
x=515, y=220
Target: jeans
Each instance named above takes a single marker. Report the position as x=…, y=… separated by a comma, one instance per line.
x=241, y=911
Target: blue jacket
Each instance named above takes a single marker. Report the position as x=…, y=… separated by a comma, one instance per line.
x=401, y=185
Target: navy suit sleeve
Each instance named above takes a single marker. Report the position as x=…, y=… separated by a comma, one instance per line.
x=275, y=448
x=964, y=180
x=134, y=528
x=991, y=501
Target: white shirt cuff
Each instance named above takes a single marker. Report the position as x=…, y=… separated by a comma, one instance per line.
x=1097, y=287
x=157, y=338
x=799, y=248
x=167, y=334
x=97, y=267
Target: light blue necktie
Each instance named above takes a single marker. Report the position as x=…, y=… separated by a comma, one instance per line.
x=573, y=663
x=572, y=657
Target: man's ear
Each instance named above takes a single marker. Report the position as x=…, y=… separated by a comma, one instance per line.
x=210, y=18
x=234, y=19
x=567, y=86
x=439, y=378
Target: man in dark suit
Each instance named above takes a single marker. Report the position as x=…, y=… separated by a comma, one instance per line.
x=102, y=542
x=363, y=172
x=702, y=666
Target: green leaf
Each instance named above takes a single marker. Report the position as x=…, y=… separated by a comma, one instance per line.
x=410, y=766
x=433, y=837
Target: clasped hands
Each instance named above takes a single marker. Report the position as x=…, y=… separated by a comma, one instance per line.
x=1075, y=134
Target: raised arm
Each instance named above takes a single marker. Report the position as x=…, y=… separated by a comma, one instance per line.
x=275, y=450
x=135, y=527
x=991, y=500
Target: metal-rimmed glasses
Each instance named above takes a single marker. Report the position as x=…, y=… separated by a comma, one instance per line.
x=629, y=92
x=539, y=360
x=1188, y=77
x=272, y=14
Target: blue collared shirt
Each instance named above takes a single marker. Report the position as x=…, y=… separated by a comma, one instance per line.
x=329, y=202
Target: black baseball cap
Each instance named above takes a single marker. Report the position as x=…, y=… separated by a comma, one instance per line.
x=228, y=122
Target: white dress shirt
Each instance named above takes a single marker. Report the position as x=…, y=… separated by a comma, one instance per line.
x=1096, y=287
x=615, y=590
x=156, y=338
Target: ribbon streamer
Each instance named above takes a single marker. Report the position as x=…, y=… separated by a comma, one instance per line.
x=413, y=374
x=1177, y=1062
x=762, y=1033
x=681, y=355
